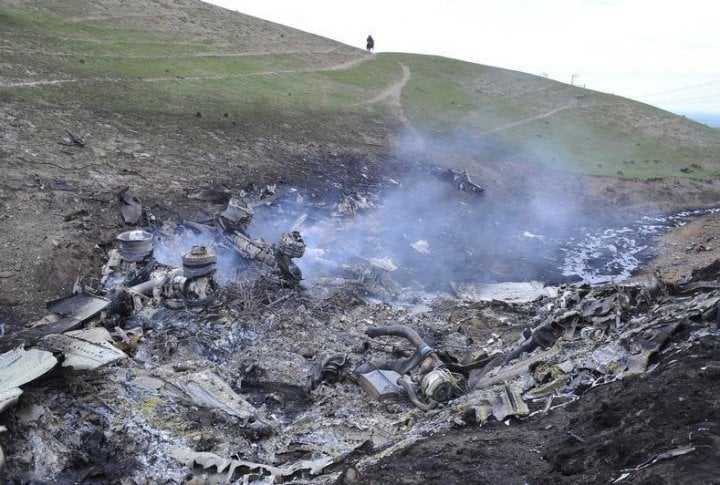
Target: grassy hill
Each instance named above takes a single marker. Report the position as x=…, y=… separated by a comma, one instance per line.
x=174, y=98
x=197, y=66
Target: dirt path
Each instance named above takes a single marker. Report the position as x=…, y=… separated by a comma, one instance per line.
x=52, y=82
x=393, y=95
x=534, y=118
x=195, y=55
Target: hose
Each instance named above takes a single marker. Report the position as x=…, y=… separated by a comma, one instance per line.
x=141, y=274
x=194, y=303
x=406, y=332
x=402, y=366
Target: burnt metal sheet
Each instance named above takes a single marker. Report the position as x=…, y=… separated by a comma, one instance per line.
x=501, y=403
x=209, y=391
x=18, y=367
x=381, y=384
x=79, y=307
x=84, y=349
x=74, y=310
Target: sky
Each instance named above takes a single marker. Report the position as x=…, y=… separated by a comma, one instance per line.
x=661, y=52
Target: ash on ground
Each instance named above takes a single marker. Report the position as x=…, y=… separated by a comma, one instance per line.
x=224, y=363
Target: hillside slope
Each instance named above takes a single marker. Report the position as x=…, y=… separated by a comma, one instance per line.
x=174, y=97
x=251, y=78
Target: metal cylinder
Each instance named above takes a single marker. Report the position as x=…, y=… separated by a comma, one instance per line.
x=200, y=261
x=135, y=246
x=291, y=245
x=437, y=385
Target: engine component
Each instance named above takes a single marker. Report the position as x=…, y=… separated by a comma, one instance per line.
x=290, y=246
x=381, y=385
x=236, y=217
x=327, y=369
x=135, y=246
x=437, y=382
x=200, y=261
x=437, y=385
x=278, y=256
x=252, y=248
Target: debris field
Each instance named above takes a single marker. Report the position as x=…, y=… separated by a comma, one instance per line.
x=204, y=354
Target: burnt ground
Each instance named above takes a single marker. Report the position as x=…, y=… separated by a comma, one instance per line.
x=59, y=214
x=612, y=430
x=623, y=427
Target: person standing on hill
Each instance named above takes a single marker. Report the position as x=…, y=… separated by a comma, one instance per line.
x=370, y=44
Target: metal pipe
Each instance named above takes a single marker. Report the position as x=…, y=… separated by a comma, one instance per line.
x=402, y=366
x=406, y=332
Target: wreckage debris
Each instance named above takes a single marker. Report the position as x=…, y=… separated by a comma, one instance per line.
x=380, y=384
x=206, y=389
x=135, y=246
x=236, y=217
x=18, y=367
x=72, y=140
x=351, y=204
x=436, y=381
x=130, y=207
x=232, y=388
x=83, y=349
x=277, y=257
x=327, y=369
x=462, y=181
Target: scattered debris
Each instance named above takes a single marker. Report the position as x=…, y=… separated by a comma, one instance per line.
x=130, y=207
x=72, y=140
x=18, y=367
x=462, y=181
x=679, y=451
x=83, y=349
x=262, y=380
x=351, y=204
x=236, y=217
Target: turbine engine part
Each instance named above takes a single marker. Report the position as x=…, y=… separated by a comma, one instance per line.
x=200, y=261
x=291, y=245
x=252, y=248
x=135, y=246
x=437, y=385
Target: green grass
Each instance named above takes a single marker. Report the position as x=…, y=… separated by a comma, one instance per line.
x=600, y=134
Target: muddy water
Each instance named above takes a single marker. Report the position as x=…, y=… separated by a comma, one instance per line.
x=611, y=254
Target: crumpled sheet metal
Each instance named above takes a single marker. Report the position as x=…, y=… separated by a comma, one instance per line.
x=501, y=403
x=208, y=390
x=209, y=460
x=18, y=367
x=79, y=307
x=500, y=374
x=381, y=385
x=84, y=349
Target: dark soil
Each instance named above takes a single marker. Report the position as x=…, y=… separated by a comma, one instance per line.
x=608, y=432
